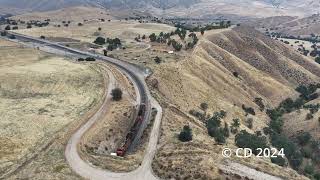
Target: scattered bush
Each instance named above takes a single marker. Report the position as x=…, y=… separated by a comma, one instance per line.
x=317, y=60
x=304, y=138
x=204, y=106
x=100, y=41
x=235, y=125
x=157, y=59
x=306, y=152
x=153, y=37
x=113, y=43
x=259, y=102
x=236, y=74
x=186, y=134
x=279, y=161
x=249, y=123
x=248, y=110
x=116, y=94
x=309, y=169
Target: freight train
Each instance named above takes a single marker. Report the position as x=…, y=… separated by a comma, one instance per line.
x=133, y=132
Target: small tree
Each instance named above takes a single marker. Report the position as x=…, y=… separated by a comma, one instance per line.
x=100, y=41
x=235, y=74
x=157, y=59
x=153, y=37
x=186, y=134
x=279, y=161
x=99, y=29
x=204, y=106
x=309, y=169
x=304, y=138
x=116, y=94
x=318, y=60
x=250, y=123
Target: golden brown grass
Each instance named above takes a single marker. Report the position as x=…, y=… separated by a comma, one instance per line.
x=40, y=95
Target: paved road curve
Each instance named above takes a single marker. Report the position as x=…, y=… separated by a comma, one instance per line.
x=137, y=77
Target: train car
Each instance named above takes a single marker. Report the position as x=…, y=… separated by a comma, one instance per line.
x=133, y=131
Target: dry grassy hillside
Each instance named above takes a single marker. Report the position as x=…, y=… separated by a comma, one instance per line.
x=290, y=25
x=266, y=69
x=40, y=96
x=76, y=14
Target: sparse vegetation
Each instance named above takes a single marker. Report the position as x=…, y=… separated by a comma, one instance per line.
x=185, y=134
x=116, y=94
x=157, y=59
x=100, y=41
x=214, y=129
x=248, y=110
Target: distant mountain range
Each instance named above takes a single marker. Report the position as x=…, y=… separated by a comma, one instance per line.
x=180, y=7
x=44, y=5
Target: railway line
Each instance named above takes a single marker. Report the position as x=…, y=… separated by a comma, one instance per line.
x=144, y=99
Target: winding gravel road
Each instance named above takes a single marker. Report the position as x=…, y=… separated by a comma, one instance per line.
x=137, y=76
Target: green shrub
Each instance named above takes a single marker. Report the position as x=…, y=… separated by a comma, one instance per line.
x=279, y=161
x=309, y=169
x=157, y=59
x=116, y=94
x=153, y=37
x=186, y=134
x=306, y=152
x=252, y=141
x=100, y=41
x=248, y=110
x=259, y=102
x=304, y=138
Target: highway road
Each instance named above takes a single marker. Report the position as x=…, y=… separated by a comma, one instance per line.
x=137, y=76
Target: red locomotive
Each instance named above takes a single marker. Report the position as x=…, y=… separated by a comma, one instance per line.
x=133, y=131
